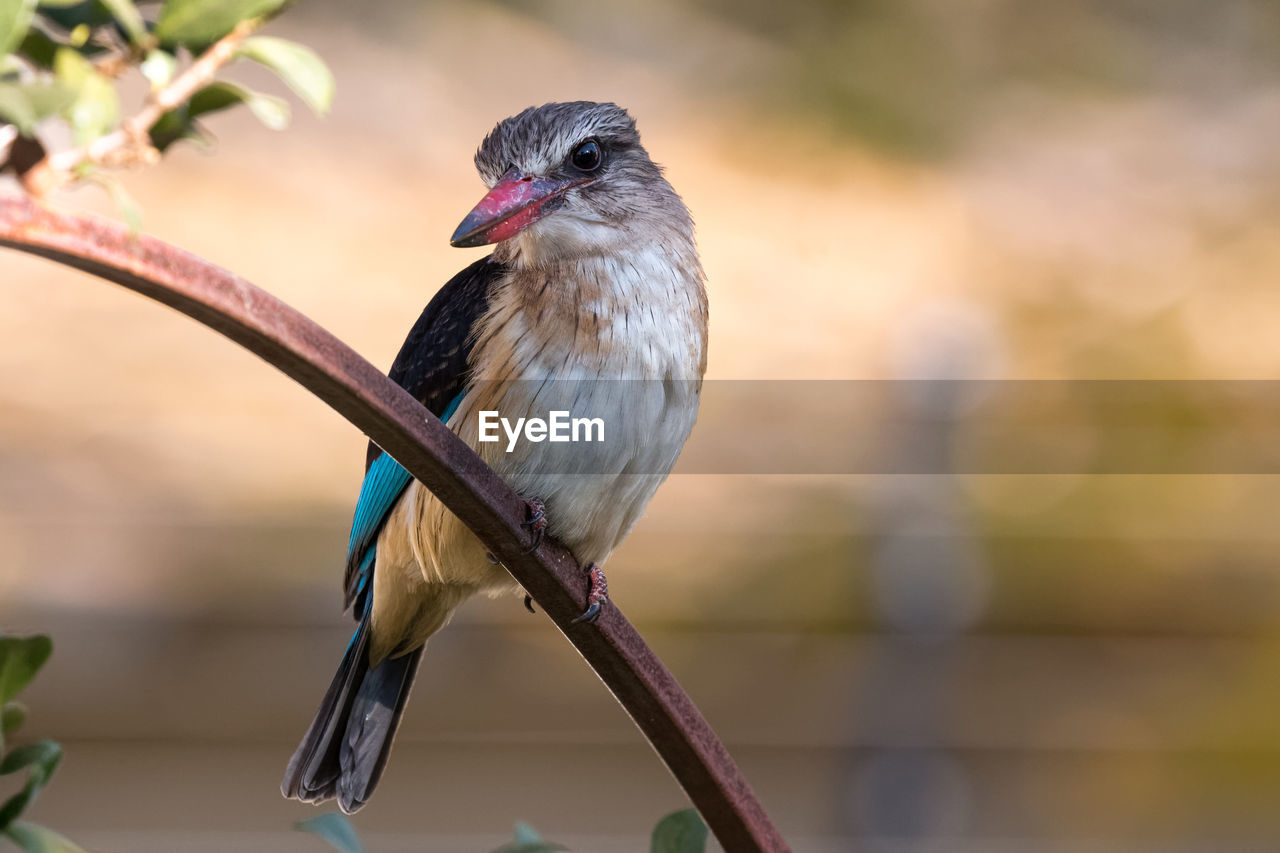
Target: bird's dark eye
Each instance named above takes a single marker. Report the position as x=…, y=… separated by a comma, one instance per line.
x=586, y=156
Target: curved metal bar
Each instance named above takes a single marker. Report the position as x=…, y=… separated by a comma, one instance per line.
x=432, y=453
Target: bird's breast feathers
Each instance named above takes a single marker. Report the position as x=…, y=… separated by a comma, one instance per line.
x=619, y=338
x=637, y=314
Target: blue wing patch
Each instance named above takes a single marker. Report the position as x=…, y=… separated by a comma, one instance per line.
x=384, y=483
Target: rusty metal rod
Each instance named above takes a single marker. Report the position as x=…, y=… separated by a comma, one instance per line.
x=360, y=393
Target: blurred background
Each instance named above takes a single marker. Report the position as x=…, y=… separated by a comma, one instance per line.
x=917, y=189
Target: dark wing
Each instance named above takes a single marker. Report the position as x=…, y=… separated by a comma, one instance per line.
x=432, y=366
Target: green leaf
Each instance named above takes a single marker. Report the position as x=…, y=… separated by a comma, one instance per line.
x=16, y=108
x=679, y=832
x=215, y=97
x=39, y=759
x=180, y=124
x=297, y=65
x=47, y=98
x=15, y=20
x=43, y=754
x=173, y=126
x=95, y=106
x=335, y=829
x=130, y=20
x=12, y=716
x=270, y=110
x=20, y=659
x=71, y=68
x=33, y=838
x=202, y=22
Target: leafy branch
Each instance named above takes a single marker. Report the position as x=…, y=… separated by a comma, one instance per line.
x=59, y=61
x=131, y=142
x=20, y=660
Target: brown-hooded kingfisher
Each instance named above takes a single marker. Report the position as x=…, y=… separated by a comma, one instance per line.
x=592, y=299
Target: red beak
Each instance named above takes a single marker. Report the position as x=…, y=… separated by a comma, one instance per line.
x=515, y=202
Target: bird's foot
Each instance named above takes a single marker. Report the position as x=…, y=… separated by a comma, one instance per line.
x=528, y=603
x=597, y=594
x=536, y=522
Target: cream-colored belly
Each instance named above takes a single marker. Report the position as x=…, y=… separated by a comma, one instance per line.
x=429, y=562
x=594, y=491
x=640, y=374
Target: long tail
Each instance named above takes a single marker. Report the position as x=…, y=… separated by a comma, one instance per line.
x=344, y=750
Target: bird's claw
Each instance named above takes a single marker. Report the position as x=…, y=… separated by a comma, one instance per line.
x=590, y=615
x=597, y=595
x=597, y=586
x=537, y=522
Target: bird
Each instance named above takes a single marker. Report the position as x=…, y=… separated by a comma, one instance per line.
x=593, y=299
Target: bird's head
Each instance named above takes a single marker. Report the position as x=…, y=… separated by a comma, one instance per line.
x=568, y=180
